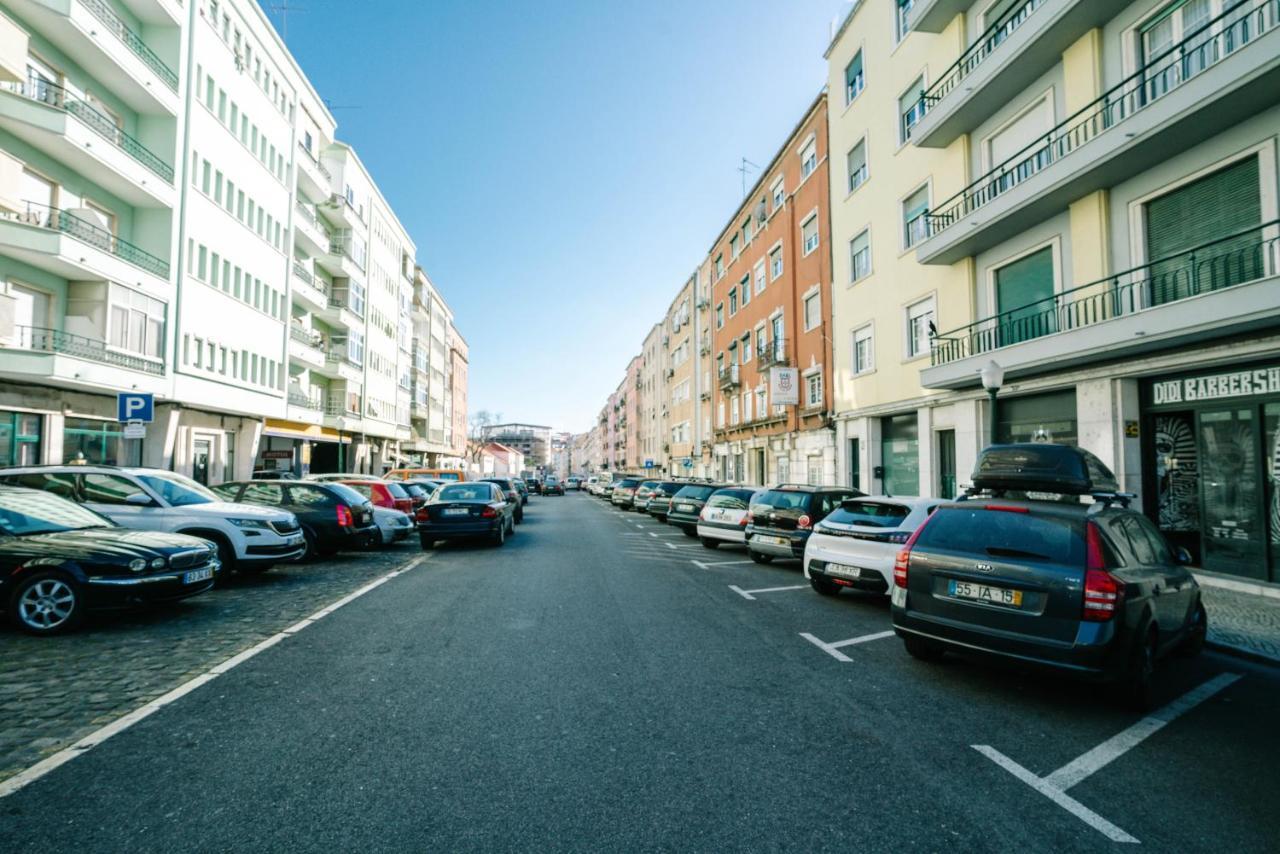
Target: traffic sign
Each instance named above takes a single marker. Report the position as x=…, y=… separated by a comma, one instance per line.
x=135, y=430
x=135, y=406
x=648, y=464
x=688, y=462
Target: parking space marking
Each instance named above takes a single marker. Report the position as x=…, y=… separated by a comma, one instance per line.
x=833, y=648
x=1055, y=785
x=35, y=772
x=702, y=564
x=748, y=594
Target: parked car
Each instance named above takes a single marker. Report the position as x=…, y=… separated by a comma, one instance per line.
x=334, y=517
x=606, y=489
x=341, y=476
x=574, y=483
x=1089, y=590
x=417, y=494
x=393, y=525
x=452, y=475
x=59, y=560
x=623, y=493
x=247, y=537
x=723, y=519
x=781, y=519
x=591, y=484
x=511, y=493
x=552, y=486
x=523, y=489
x=429, y=486
x=535, y=485
x=855, y=546
x=660, y=499
x=468, y=510
x=644, y=491
x=384, y=494
x=687, y=504
x=274, y=474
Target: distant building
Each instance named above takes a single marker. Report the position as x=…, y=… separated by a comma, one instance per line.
x=532, y=440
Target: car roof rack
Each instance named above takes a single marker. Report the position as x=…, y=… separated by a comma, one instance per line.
x=1103, y=500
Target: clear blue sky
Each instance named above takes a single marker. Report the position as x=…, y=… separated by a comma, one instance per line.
x=562, y=166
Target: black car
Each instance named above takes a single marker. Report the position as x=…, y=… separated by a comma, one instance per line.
x=553, y=486
x=522, y=488
x=535, y=485
x=1021, y=569
x=660, y=499
x=511, y=492
x=59, y=559
x=468, y=510
x=687, y=504
x=334, y=517
x=782, y=518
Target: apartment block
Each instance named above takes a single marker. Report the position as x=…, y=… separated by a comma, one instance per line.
x=456, y=398
x=680, y=388
x=651, y=429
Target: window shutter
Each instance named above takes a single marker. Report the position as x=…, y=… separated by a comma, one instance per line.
x=1019, y=287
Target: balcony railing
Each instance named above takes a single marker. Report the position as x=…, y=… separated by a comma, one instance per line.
x=729, y=377
x=773, y=353
x=308, y=215
x=315, y=161
x=974, y=56
x=1237, y=259
x=339, y=407
x=1208, y=45
x=132, y=40
x=306, y=336
x=340, y=355
x=313, y=399
x=343, y=301
x=56, y=341
x=52, y=95
x=55, y=219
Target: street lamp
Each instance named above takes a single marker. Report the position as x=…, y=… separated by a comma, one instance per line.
x=992, y=379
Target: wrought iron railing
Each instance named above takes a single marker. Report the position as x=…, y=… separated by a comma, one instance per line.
x=1244, y=22
x=303, y=273
x=1236, y=259
x=729, y=377
x=68, y=223
x=307, y=214
x=773, y=353
x=45, y=340
x=314, y=399
x=51, y=94
x=340, y=354
x=977, y=53
x=132, y=40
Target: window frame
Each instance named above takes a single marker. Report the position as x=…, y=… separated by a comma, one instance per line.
x=908, y=355
x=870, y=338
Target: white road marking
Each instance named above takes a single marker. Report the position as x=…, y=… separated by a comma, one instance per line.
x=1055, y=785
x=833, y=649
x=747, y=594
x=708, y=564
x=93, y=739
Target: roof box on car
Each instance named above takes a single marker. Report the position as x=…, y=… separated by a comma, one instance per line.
x=1030, y=467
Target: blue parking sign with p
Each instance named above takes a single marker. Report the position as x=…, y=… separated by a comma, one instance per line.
x=132, y=406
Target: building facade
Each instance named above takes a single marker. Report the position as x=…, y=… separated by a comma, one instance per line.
x=532, y=440
x=680, y=390
x=651, y=430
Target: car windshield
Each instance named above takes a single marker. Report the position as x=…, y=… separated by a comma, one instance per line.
x=777, y=499
x=870, y=514
x=670, y=488
x=730, y=499
x=396, y=490
x=426, y=486
x=465, y=492
x=23, y=513
x=346, y=493
x=414, y=490
x=178, y=490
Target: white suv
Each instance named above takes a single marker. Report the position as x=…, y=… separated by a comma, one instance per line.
x=248, y=536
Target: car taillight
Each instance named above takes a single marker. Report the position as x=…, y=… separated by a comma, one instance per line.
x=344, y=516
x=489, y=513
x=903, y=560
x=804, y=523
x=749, y=519
x=743, y=521
x=1103, y=592
x=702, y=515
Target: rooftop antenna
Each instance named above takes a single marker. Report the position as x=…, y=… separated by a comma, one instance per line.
x=282, y=8
x=744, y=168
x=332, y=106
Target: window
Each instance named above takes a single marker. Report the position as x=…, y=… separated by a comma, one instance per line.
x=719, y=267
x=1022, y=291
x=902, y=20
x=760, y=277
x=776, y=323
x=719, y=315
x=762, y=403
x=734, y=248
x=812, y=310
x=733, y=410
x=20, y=435
x=910, y=109
x=746, y=231
x=856, y=160
x=809, y=233
x=919, y=319
x=808, y=159
x=744, y=287
x=746, y=347
x=775, y=264
x=854, y=81
x=860, y=256
x=915, y=219
x=779, y=194
x=864, y=358
x=762, y=341
x=813, y=389
x=1014, y=141
x=137, y=322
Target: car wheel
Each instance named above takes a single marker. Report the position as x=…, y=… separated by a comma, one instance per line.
x=256, y=568
x=500, y=537
x=427, y=545
x=708, y=543
x=519, y=517
x=226, y=557
x=760, y=558
x=824, y=586
x=922, y=649
x=311, y=552
x=47, y=603
x=1136, y=689
x=1193, y=643
x=690, y=532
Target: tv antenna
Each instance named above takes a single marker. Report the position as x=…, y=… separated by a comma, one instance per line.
x=746, y=166
x=332, y=106
x=283, y=8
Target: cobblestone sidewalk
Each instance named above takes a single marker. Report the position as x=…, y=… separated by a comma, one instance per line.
x=1242, y=621
x=54, y=691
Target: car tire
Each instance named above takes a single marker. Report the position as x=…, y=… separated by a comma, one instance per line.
x=311, y=549
x=708, y=543
x=1193, y=642
x=47, y=603
x=922, y=649
x=689, y=532
x=226, y=557
x=256, y=568
x=1136, y=690
x=427, y=545
x=760, y=558
x=499, y=537
x=824, y=586
x=519, y=517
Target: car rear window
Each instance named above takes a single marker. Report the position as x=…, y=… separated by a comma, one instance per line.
x=414, y=490
x=396, y=490
x=731, y=499
x=1000, y=534
x=670, y=488
x=695, y=492
x=465, y=492
x=780, y=500
x=364, y=489
x=870, y=514
x=627, y=483
x=345, y=493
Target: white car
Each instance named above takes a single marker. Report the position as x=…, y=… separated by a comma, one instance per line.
x=590, y=485
x=393, y=524
x=248, y=536
x=856, y=544
x=724, y=517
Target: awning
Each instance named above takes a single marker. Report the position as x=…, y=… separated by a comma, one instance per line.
x=299, y=430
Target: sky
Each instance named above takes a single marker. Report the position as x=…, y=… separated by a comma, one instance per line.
x=563, y=165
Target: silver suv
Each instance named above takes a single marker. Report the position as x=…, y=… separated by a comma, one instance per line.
x=248, y=536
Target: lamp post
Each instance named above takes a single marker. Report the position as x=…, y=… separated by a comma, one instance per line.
x=992, y=379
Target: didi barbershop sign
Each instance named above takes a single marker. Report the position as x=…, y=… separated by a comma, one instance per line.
x=1218, y=386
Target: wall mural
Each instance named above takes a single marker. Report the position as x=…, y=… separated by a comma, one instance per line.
x=1230, y=477
x=1177, y=473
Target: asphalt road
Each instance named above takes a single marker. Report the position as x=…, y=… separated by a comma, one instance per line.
x=589, y=687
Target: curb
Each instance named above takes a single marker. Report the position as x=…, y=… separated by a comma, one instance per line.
x=1241, y=652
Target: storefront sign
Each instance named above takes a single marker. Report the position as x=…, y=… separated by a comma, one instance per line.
x=1217, y=386
x=277, y=455
x=784, y=386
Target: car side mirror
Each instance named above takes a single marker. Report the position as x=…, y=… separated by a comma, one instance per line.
x=1182, y=556
x=138, y=499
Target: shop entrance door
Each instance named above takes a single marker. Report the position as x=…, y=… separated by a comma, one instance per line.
x=761, y=475
x=201, y=452
x=1234, y=530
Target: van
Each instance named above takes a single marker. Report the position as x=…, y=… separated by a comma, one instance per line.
x=431, y=474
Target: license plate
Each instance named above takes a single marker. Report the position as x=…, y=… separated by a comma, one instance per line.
x=846, y=571
x=777, y=541
x=986, y=593
x=685, y=508
x=455, y=511
x=197, y=575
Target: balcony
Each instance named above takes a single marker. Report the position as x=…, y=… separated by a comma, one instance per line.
x=1221, y=288
x=341, y=209
x=342, y=411
x=306, y=405
x=40, y=340
x=102, y=43
x=932, y=16
x=1220, y=75
x=306, y=346
x=55, y=120
x=342, y=311
x=340, y=365
x=1022, y=45
x=67, y=244
x=312, y=235
x=774, y=353
x=309, y=289
x=344, y=258
x=729, y=377
x=314, y=177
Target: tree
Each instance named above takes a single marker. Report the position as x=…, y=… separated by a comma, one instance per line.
x=476, y=424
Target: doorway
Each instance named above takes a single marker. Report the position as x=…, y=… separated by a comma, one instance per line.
x=855, y=464
x=947, y=464
x=202, y=449
x=762, y=477
x=1234, y=530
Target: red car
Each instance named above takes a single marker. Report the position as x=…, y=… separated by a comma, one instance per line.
x=383, y=494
